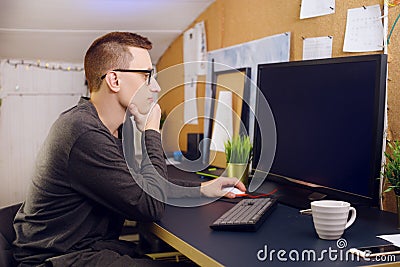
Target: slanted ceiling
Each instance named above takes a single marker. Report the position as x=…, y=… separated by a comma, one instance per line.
x=56, y=30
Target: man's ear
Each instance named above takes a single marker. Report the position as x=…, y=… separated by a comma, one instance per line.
x=112, y=81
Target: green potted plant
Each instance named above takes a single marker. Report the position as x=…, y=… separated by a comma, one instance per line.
x=391, y=172
x=238, y=152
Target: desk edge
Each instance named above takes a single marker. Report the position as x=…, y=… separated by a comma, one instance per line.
x=192, y=253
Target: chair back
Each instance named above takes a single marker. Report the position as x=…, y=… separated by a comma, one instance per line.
x=7, y=234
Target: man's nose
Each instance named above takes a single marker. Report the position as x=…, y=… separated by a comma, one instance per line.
x=154, y=86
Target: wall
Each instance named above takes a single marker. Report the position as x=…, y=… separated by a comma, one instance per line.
x=231, y=22
x=31, y=100
x=393, y=93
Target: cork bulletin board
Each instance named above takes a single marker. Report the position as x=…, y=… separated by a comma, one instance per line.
x=232, y=22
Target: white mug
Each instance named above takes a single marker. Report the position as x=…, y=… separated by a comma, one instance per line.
x=330, y=218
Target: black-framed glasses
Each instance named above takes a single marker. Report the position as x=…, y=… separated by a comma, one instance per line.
x=148, y=72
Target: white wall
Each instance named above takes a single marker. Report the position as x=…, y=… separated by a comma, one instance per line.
x=32, y=98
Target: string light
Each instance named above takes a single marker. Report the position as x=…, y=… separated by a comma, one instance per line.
x=29, y=65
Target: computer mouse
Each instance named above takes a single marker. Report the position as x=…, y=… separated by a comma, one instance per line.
x=233, y=190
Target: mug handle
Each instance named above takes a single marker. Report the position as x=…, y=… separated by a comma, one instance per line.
x=352, y=218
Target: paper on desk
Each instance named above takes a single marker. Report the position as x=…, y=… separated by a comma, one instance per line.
x=394, y=239
x=318, y=47
x=364, y=29
x=315, y=8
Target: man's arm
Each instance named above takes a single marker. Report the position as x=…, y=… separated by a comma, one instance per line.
x=176, y=189
x=99, y=171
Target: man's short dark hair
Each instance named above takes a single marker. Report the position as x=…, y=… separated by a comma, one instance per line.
x=109, y=52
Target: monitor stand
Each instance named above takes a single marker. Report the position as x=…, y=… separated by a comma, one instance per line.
x=300, y=197
x=289, y=194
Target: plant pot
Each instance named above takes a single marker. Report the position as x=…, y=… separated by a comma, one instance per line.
x=240, y=171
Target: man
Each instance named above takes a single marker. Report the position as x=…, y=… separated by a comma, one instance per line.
x=82, y=189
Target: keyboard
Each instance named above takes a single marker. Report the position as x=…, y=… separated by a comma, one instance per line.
x=246, y=215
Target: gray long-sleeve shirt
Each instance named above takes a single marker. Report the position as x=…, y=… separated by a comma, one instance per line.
x=82, y=189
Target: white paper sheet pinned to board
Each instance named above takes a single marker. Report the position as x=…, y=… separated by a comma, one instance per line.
x=201, y=49
x=190, y=77
x=315, y=8
x=317, y=47
x=364, y=29
x=190, y=104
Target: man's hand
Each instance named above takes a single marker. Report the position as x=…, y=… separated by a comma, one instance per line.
x=149, y=121
x=213, y=188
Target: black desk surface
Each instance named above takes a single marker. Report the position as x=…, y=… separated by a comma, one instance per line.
x=285, y=229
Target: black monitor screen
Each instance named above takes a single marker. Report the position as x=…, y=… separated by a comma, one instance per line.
x=329, y=117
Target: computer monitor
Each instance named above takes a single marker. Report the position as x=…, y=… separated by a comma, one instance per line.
x=329, y=117
x=237, y=83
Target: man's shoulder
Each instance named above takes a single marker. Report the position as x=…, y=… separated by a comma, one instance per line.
x=82, y=117
x=75, y=122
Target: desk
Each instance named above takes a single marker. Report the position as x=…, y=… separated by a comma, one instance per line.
x=187, y=230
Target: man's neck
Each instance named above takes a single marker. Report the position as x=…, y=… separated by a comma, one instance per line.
x=109, y=110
